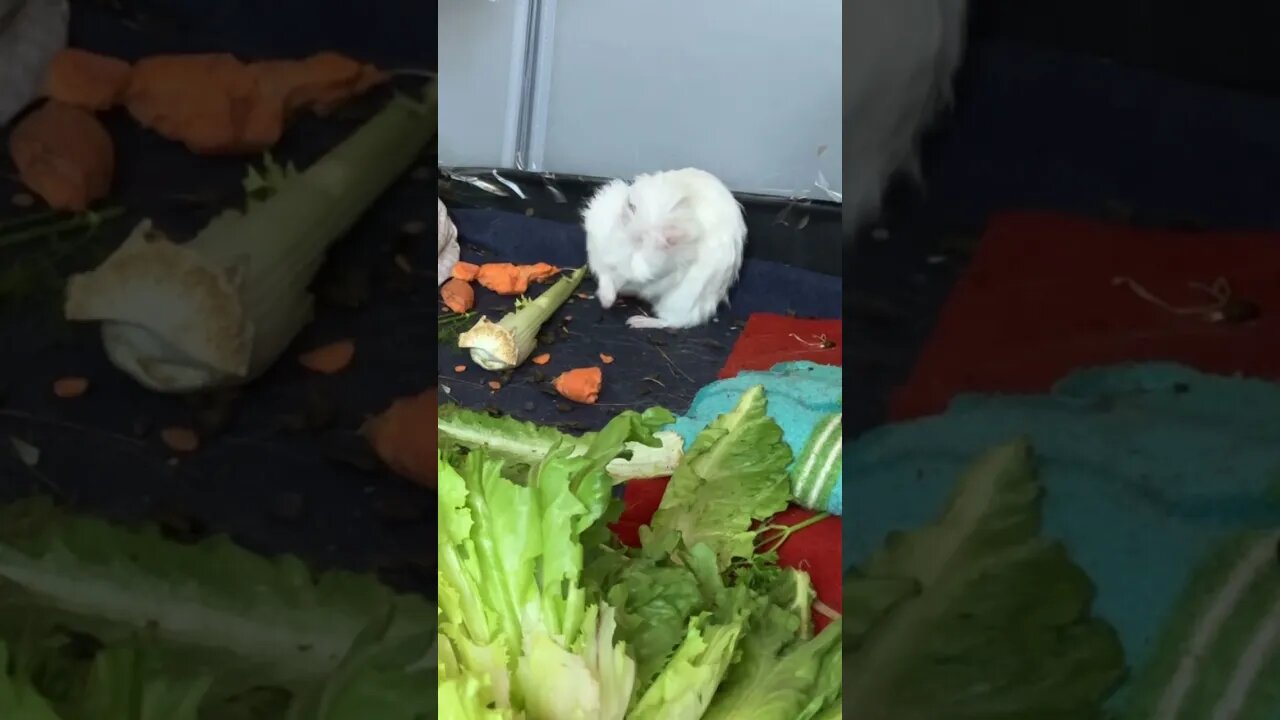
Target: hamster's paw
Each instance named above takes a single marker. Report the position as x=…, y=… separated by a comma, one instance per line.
x=606, y=297
x=644, y=322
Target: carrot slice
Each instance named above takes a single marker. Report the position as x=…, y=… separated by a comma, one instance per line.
x=542, y=359
x=606, y=358
x=459, y=368
x=86, y=80
x=511, y=279
x=458, y=295
x=465, y=271
x=64, y=155
x=329, y=359
x=70, y=387
x=494, y=385
x=404, y=437
x=180, y=439
x=580, y=385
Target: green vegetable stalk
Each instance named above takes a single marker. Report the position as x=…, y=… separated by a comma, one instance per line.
x=220, y=309
x=510, y=341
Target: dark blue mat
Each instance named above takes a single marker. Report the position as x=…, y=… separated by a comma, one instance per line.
x=651, y=367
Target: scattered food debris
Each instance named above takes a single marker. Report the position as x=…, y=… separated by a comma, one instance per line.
x=64, y=155
x=86, y=80
x=70, y=387
x=329, y=359
x=458, y=295
x=494, y=385
x=179, y=439
x=581, y=385
x=542, y=359
x=509, y=279
x=396, y=437
x=29, y=454
x=459, y=368
x=606, y=359
x=465, y=271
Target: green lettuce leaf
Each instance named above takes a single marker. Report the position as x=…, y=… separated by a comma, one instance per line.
x=516, y=628
x=19, y=699
x=778, y=678
x=647, y=451
x=733, y=474
x=686, y=685
x=995, y=622
x=248, y=620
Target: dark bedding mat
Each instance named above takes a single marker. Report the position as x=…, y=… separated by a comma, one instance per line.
x=651, y=367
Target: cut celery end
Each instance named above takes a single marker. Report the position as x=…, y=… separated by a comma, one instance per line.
x=220, y=309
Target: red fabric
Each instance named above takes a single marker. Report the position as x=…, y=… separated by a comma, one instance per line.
x=769, y=339
x=765, y=341
x=1038, y=302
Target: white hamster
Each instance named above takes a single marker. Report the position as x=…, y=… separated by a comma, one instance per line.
x=674, y=239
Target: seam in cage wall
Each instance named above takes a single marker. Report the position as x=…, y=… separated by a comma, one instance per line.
x=535, y=81
x=515, y=85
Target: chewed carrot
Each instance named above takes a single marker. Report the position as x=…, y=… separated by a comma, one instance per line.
x=86, y=80
x=459, y=368
x=465, y=271
x=494, y=385
x=329, y=359
x=580, y=385
x=458, y=295
x=179, y=439
x=64, y=155
x=403, y=437
x=542, y=359
x=606, y=358
x=510, y=279
x=70, y=387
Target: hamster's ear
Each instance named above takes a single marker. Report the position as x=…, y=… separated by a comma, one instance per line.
x=628, y=210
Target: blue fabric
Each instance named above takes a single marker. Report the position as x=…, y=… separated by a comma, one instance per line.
x=1145, y=467
x=800, y=395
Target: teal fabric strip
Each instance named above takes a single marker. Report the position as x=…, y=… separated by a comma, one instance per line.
x=801, y=395
x=1147, y=469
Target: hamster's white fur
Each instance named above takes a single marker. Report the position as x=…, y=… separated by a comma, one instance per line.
x=674, y=239
x=900, y=57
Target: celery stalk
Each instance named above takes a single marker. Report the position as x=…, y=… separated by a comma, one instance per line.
x=220, y=309
x=510, y=341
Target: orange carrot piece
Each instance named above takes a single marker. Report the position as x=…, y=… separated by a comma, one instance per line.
x=494, y=385
x=465, y=271
x=580, y=385
x=458, y=295
x=64, y=155
x=86, y=80
x=70, y=387
x=200, y=100
x=510, y=279
x=404, y=437
x=606, y=358
x=539, y=272
x=178, y=439
x=459, y=368
x=542, y=359
x=329, y=359
x=320, y=82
